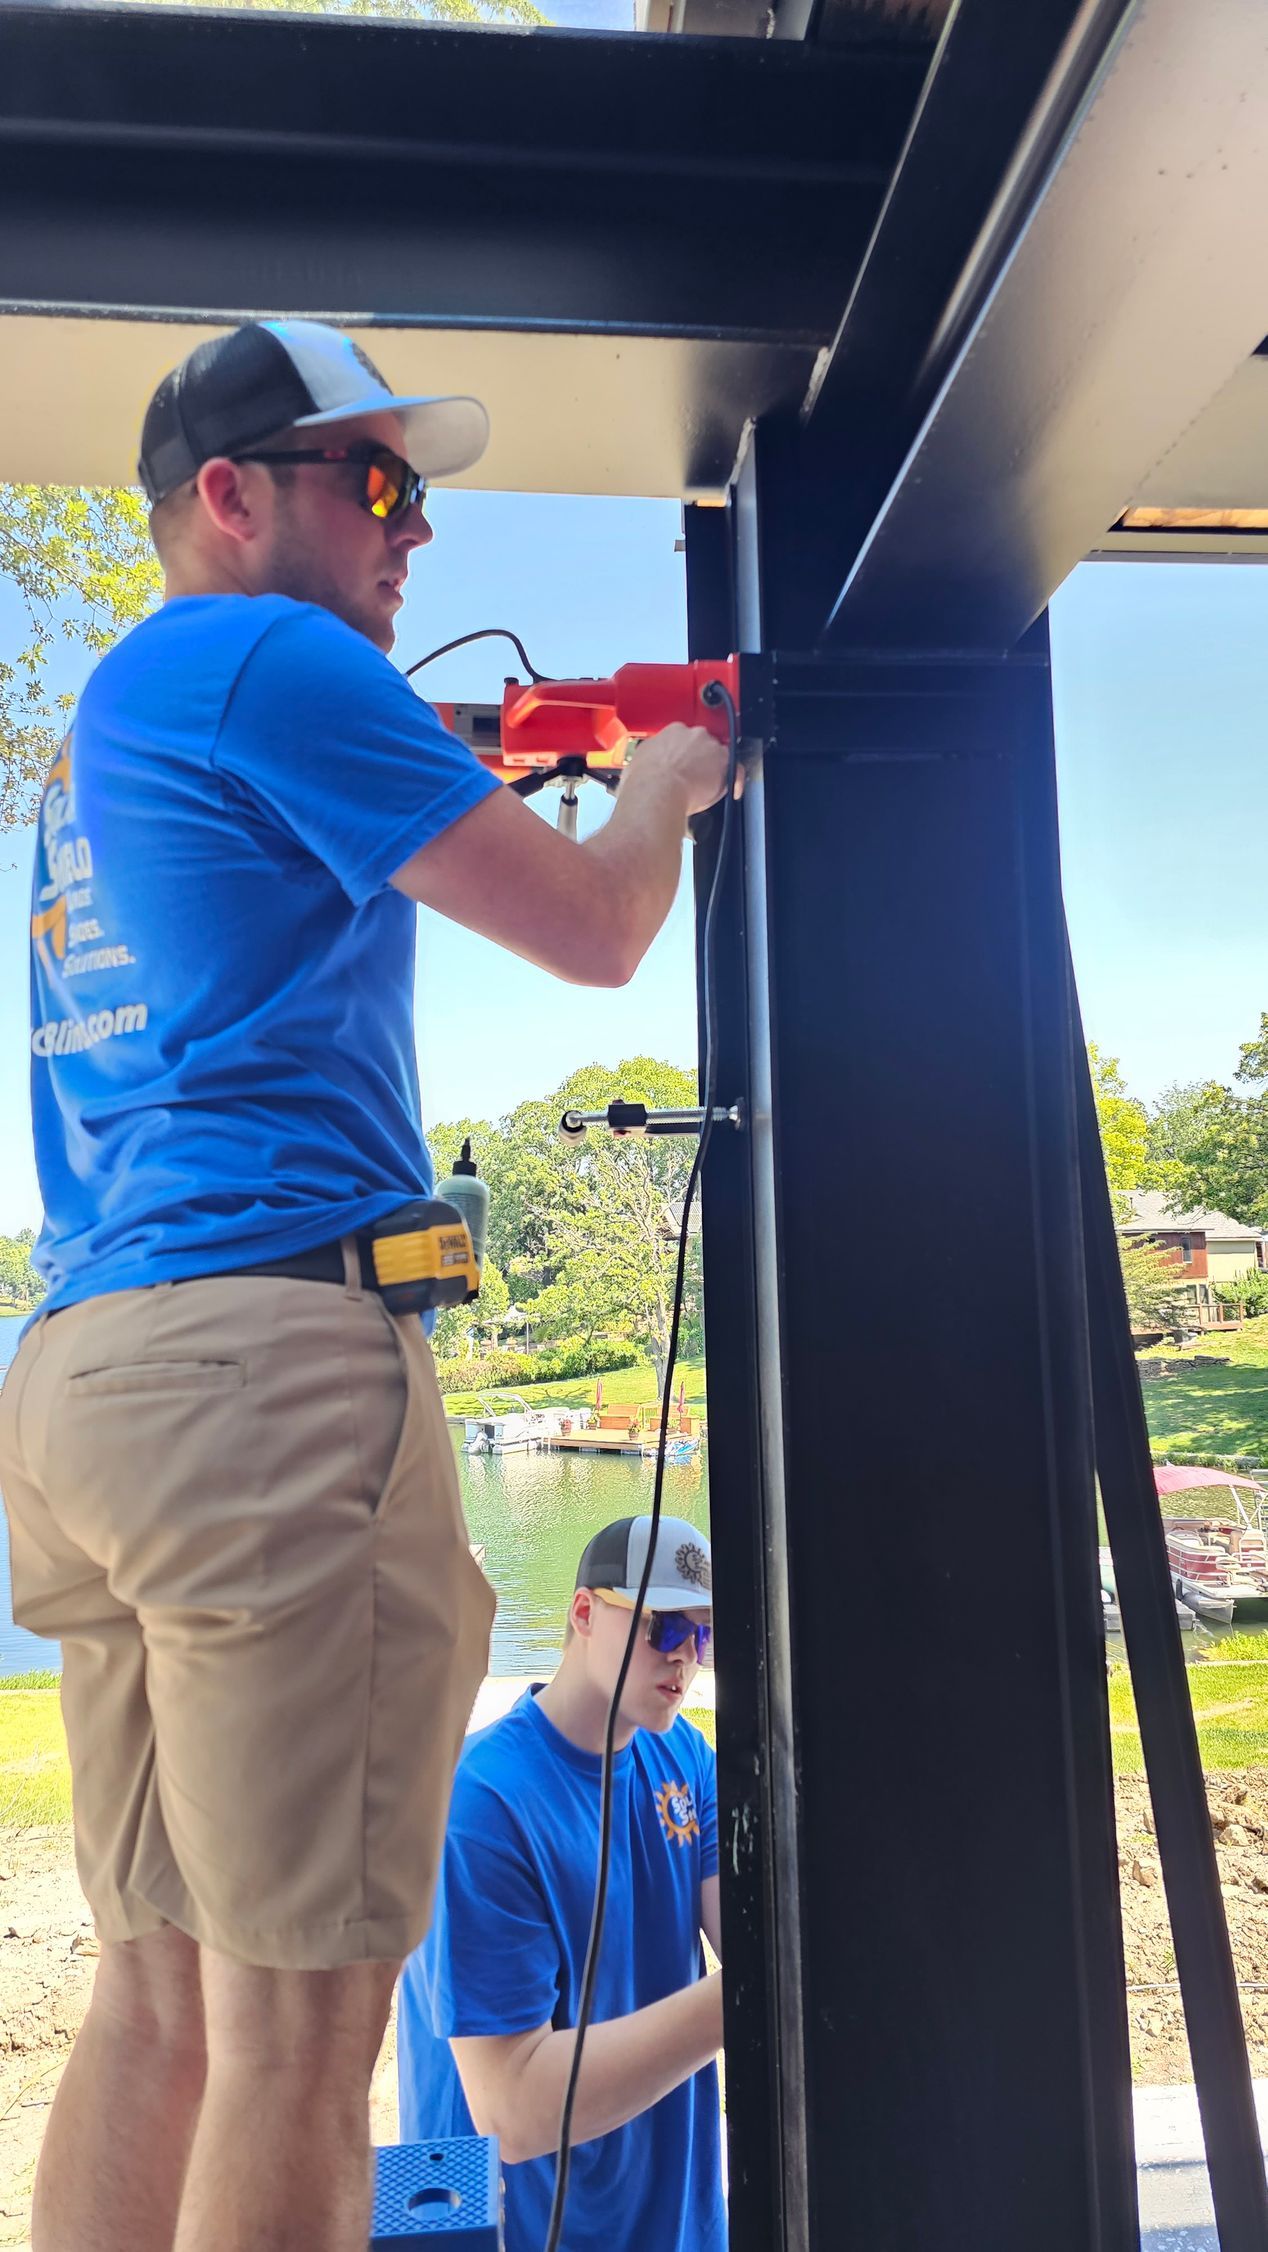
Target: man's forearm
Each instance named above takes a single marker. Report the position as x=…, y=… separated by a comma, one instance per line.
x=628, y=2064
x=638, y=854
x=586, y=912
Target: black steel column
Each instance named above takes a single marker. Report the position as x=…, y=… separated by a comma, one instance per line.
x=757, y=1816
x=919, y=1720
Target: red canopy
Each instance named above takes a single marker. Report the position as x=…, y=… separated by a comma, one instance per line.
x=1177, y=1477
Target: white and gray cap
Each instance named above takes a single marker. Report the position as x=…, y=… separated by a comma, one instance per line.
x=682, y=1565
x=234, y=390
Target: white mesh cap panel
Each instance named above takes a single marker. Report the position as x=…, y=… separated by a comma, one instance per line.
x=442, y=436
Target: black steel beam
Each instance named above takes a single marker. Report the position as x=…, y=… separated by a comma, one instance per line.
x=1117, y=284
x=896, y=338
x=910, y=1214
x=157, y=160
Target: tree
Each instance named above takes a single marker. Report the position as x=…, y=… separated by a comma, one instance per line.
x=1136, y=1157
x=612, y=1237
x=517, y=1160
x=1246, y=1293
x=20, y=1286
x=1154, y=1288
x=493, y=1300
x=455, y=1324
x=1252, y=1061
x=1124, y=1125
x=1177, y=1127
x=587, y=1234
x=1216, y=1140
x=84, y=568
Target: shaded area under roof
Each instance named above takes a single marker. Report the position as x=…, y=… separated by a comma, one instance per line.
x=630, y=247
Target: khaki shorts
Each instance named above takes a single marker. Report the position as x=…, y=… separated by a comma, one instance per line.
x=235, y=1503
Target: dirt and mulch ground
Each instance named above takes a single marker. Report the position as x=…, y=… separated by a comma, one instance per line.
x=48, y=1952
x=1239, y=1820
x=47, y=1958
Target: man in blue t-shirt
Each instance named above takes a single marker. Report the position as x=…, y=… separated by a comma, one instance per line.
x=487, y=2004
x=229, y=1484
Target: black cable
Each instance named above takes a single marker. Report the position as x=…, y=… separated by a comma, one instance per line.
x=482, y=633
x=714, y=693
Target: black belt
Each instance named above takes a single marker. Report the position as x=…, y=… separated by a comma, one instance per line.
x=324, y=1264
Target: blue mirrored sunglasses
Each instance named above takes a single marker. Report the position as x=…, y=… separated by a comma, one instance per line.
x=668, y=1630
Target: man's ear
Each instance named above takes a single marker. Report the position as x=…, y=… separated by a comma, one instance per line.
x=233, y=495
x=581, y=1612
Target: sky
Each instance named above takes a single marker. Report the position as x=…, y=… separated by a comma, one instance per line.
x=1160, y=679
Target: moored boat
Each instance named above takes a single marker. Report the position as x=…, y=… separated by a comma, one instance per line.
x=1213, y=1608
x=1112, y=1617
x=1220, y=1563
x=512, y=1430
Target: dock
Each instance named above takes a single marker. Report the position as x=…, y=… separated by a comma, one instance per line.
x=599, y=1442
x=518, y=1429
x=626, y=1434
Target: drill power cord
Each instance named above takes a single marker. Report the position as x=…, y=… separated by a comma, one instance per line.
x=482, y=633
x=715, y=693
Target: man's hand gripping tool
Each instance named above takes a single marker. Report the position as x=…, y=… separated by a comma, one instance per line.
x=573, y=730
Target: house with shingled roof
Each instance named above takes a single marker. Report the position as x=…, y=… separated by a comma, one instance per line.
x=1208, y=1247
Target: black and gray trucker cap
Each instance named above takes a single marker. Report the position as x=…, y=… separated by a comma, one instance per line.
x=682, y=1566
x=236, y=389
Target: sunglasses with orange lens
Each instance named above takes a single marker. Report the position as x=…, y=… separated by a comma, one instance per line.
x=390, y=487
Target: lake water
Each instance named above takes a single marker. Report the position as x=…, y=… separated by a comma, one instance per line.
x=533, y=1513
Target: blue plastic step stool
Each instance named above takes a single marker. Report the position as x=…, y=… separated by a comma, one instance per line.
x=447, y=2188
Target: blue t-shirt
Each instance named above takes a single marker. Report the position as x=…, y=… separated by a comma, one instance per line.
x=506, y=1950
x=222, y=976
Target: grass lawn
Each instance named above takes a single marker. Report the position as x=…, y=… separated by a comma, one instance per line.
x=1230, y=1704
x=706, y=1720
x=34, y=1769
x=1230, y=1700
x=1205, y=1410
x=622, y=1387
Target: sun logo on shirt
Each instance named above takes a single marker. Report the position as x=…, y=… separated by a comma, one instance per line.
x=57, y=813
x=677, y=1810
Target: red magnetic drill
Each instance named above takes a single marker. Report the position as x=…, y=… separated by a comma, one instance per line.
x=570, y=730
